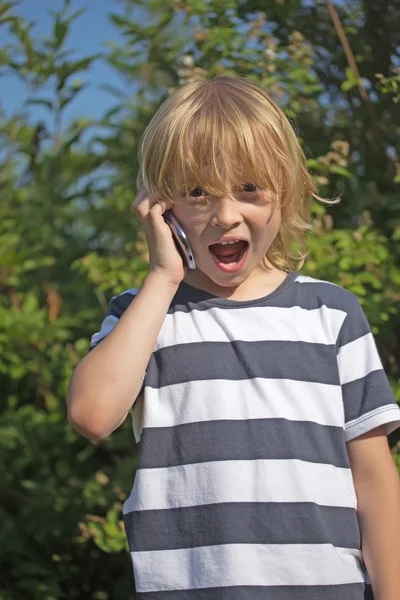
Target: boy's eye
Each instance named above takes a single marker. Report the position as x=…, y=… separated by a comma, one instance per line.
x=196, y=192
x=250, y=187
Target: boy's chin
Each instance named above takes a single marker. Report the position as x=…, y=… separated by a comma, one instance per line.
x=227, y=280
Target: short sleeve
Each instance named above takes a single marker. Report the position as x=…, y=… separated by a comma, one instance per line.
x=116, y=308
x=367, y=395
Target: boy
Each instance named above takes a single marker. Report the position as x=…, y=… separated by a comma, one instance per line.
x=260, y=405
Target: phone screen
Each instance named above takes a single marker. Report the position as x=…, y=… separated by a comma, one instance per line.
x=181, y=241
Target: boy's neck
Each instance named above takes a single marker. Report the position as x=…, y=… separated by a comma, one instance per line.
x=259, y=284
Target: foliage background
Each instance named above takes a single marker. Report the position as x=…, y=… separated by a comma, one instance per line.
x=68, y=241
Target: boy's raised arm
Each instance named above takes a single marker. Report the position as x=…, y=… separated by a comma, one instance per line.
x=107, y=381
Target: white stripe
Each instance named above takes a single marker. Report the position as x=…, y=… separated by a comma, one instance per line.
x=233, y=481
x=137, y=414
x=306, y=279
x=258, y=398
x=320, y=325
x=107, y=325
x=388, y=416
x=358, y=358
x=246, y=564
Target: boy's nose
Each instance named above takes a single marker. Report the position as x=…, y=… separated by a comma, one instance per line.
x=226, y=214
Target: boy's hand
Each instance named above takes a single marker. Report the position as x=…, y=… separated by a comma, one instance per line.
x=164, y=257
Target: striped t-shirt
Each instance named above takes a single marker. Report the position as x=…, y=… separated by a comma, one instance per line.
x=243, y=489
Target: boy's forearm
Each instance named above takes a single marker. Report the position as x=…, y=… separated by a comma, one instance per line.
x=107, y=381
x=379, y=516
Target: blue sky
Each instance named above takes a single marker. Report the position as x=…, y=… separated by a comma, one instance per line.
x=88, y=36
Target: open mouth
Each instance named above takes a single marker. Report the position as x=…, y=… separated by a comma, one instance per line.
x=229, y=256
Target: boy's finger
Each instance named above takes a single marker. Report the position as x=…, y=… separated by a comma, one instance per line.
x=163, y=205
x=142, y=208
x=143, y=203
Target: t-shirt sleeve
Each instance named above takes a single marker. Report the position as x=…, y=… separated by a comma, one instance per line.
x=367, y=395
x=116, y=308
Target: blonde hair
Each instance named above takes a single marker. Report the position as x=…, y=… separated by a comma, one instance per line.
x=221, y=133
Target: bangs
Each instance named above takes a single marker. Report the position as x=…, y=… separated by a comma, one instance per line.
x=220, y=152
x=218, y=138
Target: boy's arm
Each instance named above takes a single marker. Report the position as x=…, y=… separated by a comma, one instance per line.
x=378, y=496
x=107, y=381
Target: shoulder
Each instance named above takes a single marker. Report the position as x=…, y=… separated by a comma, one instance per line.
x=324, y=293
x=119, y=303
x=183, y=300
x=116, y=308
x=317, y=293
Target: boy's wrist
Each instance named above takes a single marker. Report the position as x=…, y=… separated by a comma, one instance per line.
x=163, y=280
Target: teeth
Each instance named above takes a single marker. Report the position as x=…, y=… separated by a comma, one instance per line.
x=232, y=242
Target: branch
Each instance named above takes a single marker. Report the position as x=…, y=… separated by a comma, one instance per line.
x=346, y=47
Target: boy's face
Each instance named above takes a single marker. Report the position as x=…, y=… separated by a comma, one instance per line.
x=250, y=219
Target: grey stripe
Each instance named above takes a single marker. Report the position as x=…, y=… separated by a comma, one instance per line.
x=189, y=298
x=118, y=305
x=242, y=523
x=116, y=308
x=237, y=360
x=276, y=439
x=306, y=295
x=352, y=591
x=367, y=394
x=354, y=326
x=94, y=344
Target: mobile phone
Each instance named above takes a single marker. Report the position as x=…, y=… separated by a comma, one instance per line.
x=181, y=241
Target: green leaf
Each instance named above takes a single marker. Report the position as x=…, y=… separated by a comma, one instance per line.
x=341, y=171
x=70, y=68
x=60, y=32
x=40, y=102
x=71, y=92
x=4, y=8
x=121, y=22
x=348, y=85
